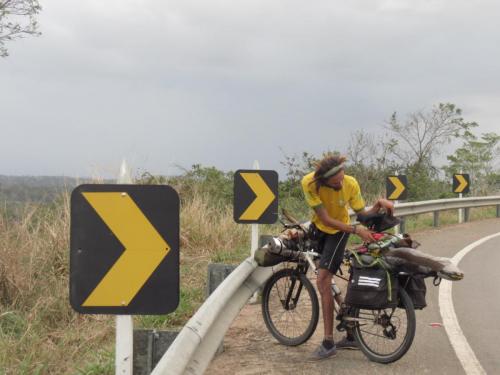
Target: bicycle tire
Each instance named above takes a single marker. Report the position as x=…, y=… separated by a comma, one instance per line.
x=294, y=323
x=366, y=339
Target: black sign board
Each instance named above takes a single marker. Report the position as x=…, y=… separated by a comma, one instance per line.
x=461, y=183
x=124, y=249
x=255, y=196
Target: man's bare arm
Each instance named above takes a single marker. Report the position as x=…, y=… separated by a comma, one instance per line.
x=362, y=232
x=381, y=203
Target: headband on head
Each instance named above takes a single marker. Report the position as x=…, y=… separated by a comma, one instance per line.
x=334, y=171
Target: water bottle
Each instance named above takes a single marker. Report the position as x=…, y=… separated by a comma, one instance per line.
x=335, y=289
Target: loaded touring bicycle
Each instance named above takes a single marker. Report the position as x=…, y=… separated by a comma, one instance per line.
x=385, y=284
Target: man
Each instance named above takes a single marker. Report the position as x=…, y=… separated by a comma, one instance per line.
x=329, y=192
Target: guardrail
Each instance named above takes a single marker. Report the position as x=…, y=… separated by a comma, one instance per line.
x=414, y=208
x=196, y=344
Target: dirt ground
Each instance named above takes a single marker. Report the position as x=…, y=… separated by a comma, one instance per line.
x=249, y=348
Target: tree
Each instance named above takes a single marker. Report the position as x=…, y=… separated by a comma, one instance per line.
x=370, y=161
x=419, y=140
x=420, y=137
x=17, y=19
x=296, y=166
x=477, y=157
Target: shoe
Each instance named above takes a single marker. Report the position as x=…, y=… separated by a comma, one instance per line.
x=322, y=353
x=345, y=343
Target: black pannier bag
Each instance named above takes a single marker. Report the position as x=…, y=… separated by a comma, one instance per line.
x=416, y=289
x=368, y=288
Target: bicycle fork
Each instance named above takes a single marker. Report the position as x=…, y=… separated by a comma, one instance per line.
x=291, y=300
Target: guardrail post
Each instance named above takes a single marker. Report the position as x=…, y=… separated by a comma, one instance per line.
x=498, y=210
x=466, y=214
x=436, y=218
x=149, y=347
x=402, y=225
x=217, y=272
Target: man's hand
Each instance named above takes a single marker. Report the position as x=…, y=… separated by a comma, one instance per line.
x=365, y=234
x=387, y=205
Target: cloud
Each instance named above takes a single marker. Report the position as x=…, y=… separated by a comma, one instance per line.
x=223, y=83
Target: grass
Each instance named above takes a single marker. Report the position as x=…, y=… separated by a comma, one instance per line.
x=189, y=300
x=101, y=363
x=41, y=334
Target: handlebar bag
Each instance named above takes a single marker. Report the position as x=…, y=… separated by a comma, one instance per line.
x=368, y=288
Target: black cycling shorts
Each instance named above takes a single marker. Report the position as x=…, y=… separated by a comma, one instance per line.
x=332, y=247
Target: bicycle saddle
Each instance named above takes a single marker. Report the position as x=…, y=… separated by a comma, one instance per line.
x=378, y=222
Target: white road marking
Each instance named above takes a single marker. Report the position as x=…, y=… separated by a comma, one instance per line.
x=464, y=352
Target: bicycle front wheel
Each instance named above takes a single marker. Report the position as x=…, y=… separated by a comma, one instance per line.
x=385, y=335
x=290, y=307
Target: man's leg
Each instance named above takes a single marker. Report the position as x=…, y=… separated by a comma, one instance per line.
x=327, y=347
x=338, y=243
x=324, y=282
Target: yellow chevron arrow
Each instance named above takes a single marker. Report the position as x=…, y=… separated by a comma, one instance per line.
x=463, y=183
x=144, y=249
x=399, y=188
x=264, y=196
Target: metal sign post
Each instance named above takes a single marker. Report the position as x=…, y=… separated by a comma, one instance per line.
x=254, y=241
x=255, y=200
x=461, y=184
x=396, y=190
x=255, y=227
x=124, y=255
x=397, y=227
x=124, y=345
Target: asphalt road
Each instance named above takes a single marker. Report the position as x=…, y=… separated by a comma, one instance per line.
x=250, y=349
x=477, y=303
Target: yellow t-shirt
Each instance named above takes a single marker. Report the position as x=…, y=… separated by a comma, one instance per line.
x=334, y=201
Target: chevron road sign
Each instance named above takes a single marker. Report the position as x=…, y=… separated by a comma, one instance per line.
x=461, y=183
x=124, y=249
x=396, y=187
x=255, y=196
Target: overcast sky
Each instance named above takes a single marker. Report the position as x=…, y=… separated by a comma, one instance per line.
x=178, y=82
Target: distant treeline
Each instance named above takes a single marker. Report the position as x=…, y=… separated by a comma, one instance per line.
x=407, y=146
x=40, y=189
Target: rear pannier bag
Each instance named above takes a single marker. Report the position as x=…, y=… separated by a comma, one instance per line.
x=368, y=288
x=416, y=289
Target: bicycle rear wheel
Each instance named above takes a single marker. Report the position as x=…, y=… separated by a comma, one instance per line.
x=385, y=335
x=290, y=307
